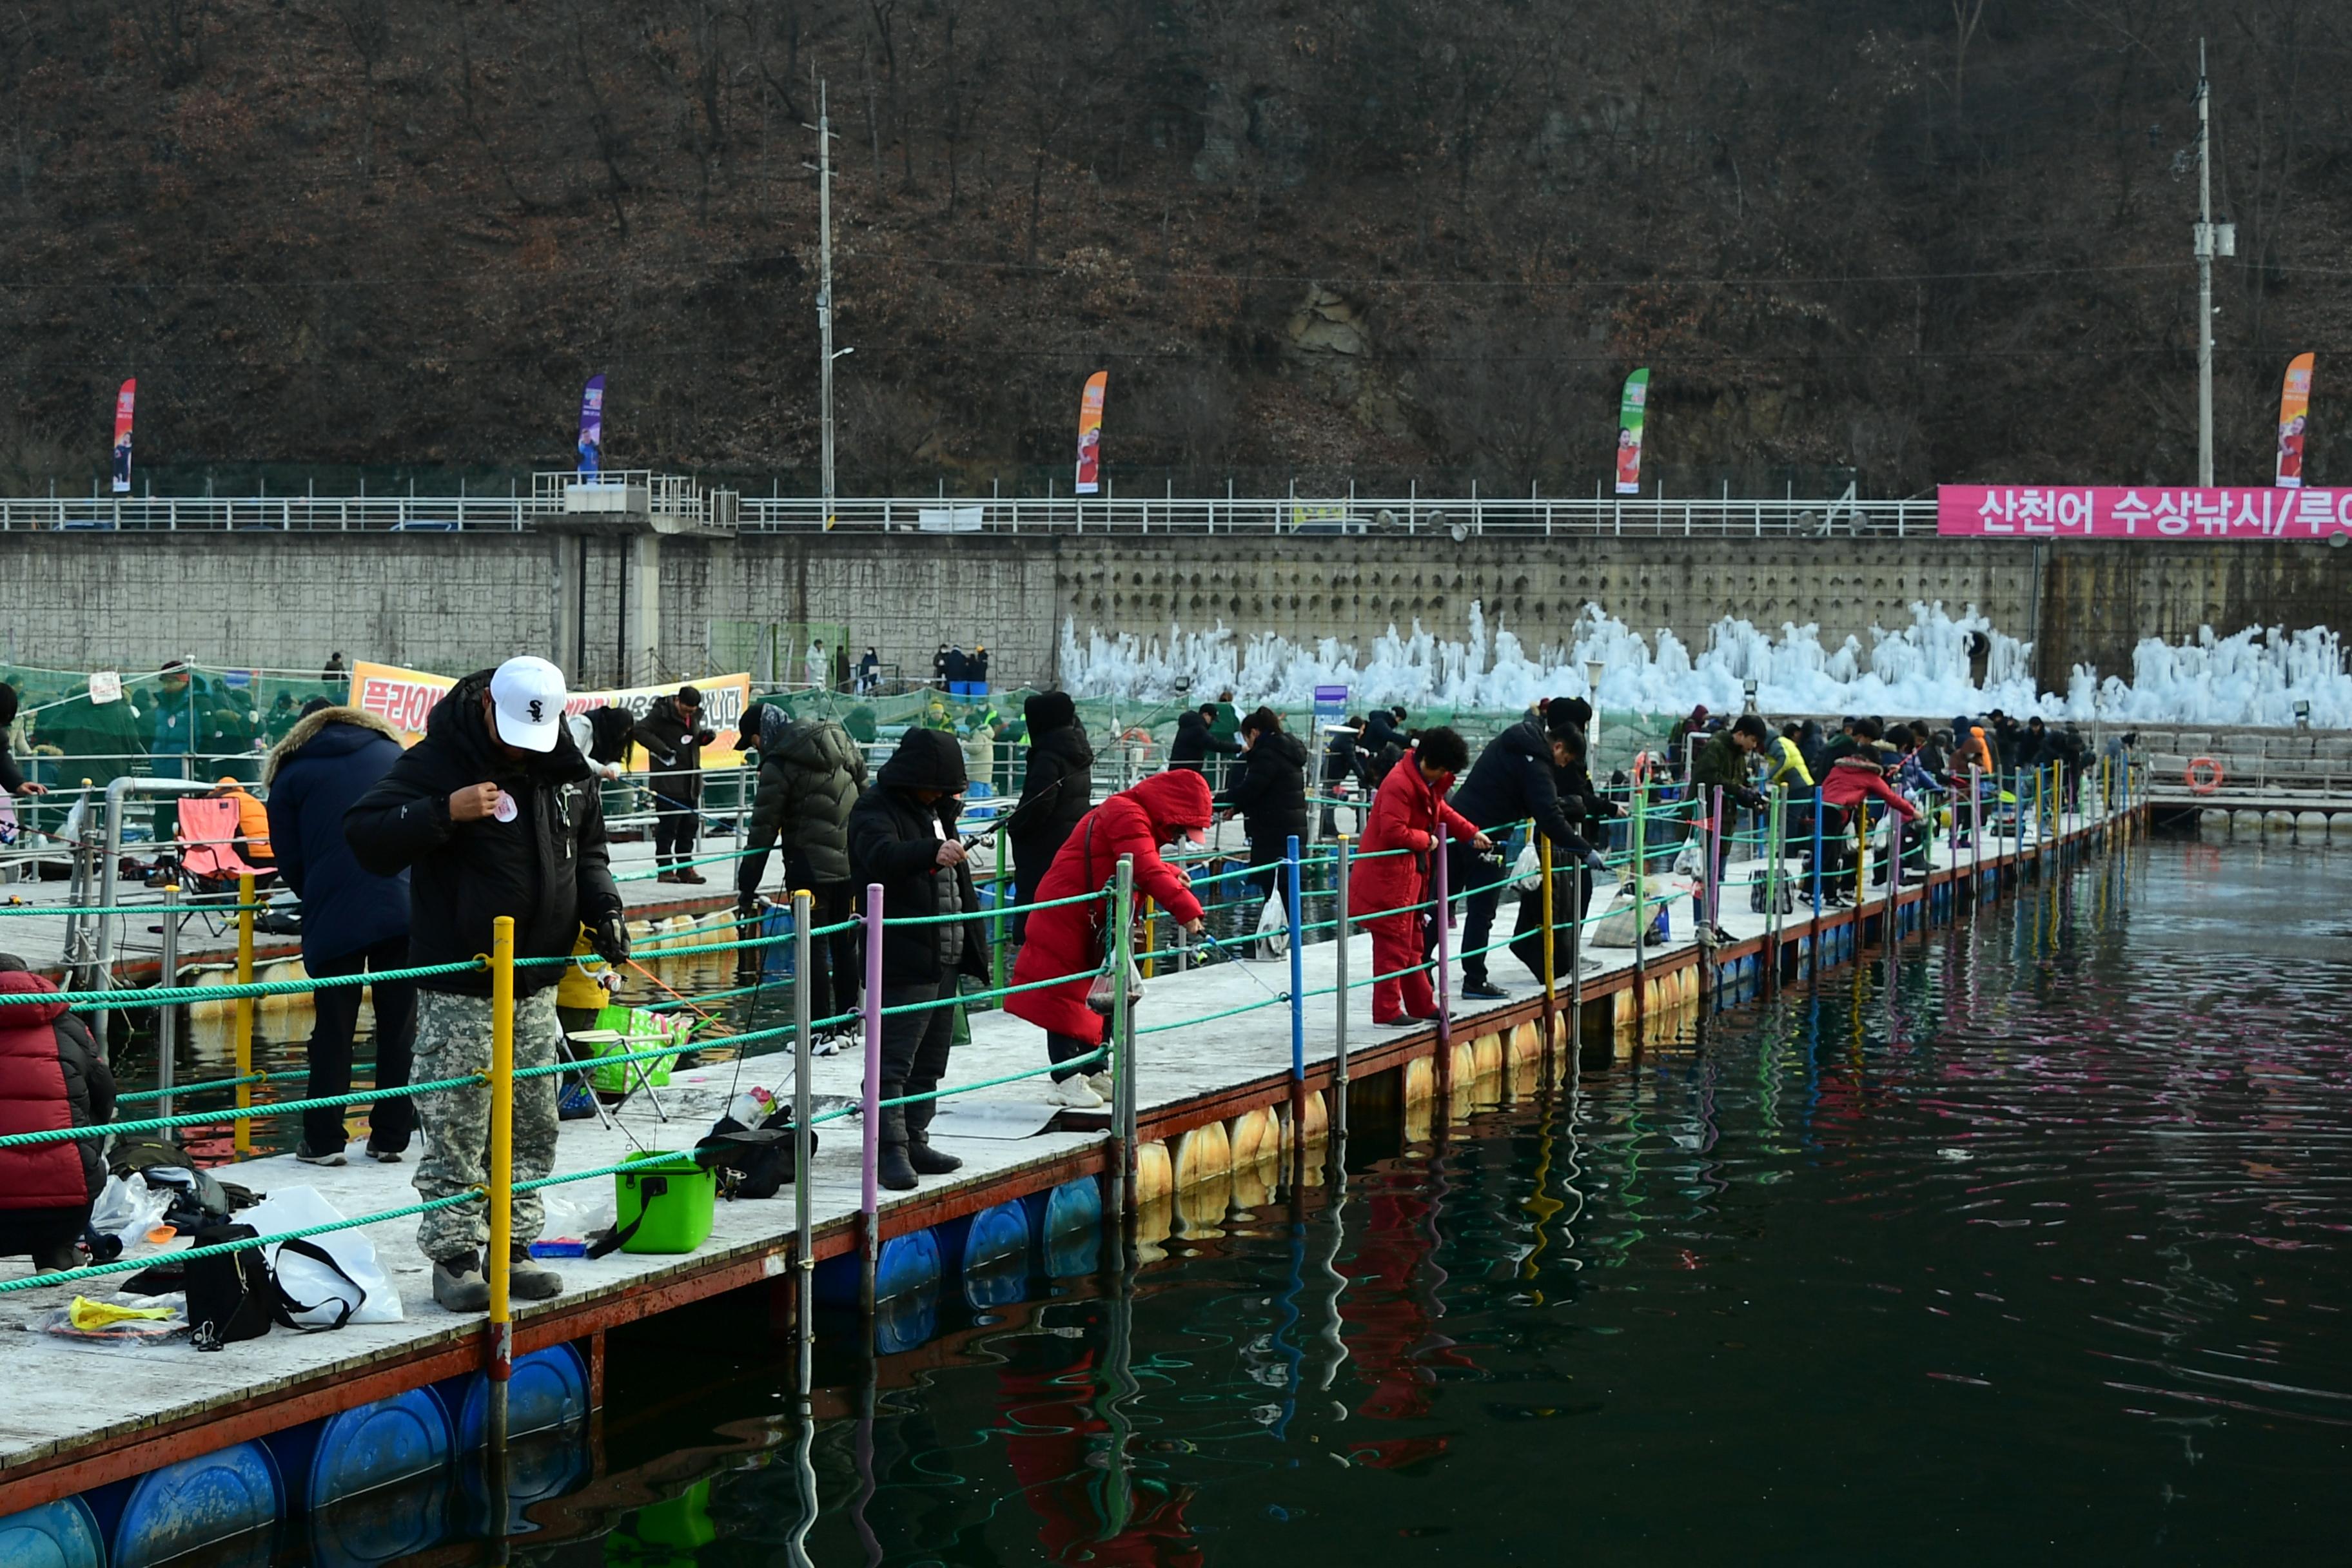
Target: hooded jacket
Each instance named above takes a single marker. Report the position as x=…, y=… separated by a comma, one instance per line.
x=1056, y=792
x=1722, y=764
x=1195, y=741
x=673, y=744
x=1271, y=794
x=318, y=772
x=547, y=868
x=1068, y=940
x=810, y=776
x=894, y=840
x=51, y=1077
x=1851, y=780
x=1973, y=751
x=1391, y=871
x=1513, y=779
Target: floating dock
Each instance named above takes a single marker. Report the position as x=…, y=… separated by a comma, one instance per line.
x=1215, y=1097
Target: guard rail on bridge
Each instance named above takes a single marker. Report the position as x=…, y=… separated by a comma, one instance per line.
x=554, y=500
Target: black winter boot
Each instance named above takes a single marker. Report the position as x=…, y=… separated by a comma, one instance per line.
x=892, y=1167
x=927, y=1161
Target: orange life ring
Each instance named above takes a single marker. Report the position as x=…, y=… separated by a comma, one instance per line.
x=2203, y=776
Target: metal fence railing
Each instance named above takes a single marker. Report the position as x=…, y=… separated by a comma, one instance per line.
x=1408, y=516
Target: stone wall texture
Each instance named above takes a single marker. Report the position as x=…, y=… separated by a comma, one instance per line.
x=452, y=603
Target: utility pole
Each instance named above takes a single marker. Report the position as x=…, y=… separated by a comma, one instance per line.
x=2212, y=239
x=825, y=289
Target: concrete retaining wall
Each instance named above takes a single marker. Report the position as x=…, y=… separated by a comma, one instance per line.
x=609, y=606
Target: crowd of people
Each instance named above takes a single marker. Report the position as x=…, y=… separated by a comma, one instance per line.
x=407, y=857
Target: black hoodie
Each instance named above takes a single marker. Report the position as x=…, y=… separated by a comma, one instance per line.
x=894, y=840
x=1057, y=791
x=1271, y=794
x=547, y=868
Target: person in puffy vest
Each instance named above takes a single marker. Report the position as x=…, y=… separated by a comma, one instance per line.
x=52, y=1076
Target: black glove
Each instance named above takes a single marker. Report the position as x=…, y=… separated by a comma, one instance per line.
x=610, y=937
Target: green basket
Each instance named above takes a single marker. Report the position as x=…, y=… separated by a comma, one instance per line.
x=664, y=1206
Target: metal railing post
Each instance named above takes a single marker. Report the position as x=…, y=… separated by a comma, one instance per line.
x=1641, y=895
x=1122, y=1029
x=1339, y=1120
x=500, y=1265
x=1817, y=849
x=242, y=1141
x=869, y=1190
x=167, y=1015
x=1297, y=981
x=804, y=1219
x=1443, y=981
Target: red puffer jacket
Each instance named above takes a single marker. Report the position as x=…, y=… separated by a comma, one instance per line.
x=50, y=1077
x=1064, y=941
x=1851, y=779
x=1405, y=815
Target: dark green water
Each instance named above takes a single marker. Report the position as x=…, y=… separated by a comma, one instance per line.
x=2037, y=1250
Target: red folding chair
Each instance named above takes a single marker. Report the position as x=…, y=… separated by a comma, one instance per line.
x=208, y=852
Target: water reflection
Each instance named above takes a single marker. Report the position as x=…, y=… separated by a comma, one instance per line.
x=2029, y=1230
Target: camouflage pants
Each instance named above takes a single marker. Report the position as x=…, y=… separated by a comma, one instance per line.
x=453, y=1038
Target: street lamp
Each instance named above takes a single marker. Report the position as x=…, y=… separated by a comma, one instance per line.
x=1593, y=670
x=1748, y=691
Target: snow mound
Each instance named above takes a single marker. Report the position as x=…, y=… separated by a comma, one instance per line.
x=2253, y=676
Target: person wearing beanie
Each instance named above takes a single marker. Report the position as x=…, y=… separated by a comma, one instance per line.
x=673, y=736
x=1056, y=792
x=1678, y=740
x=1270, y=796
x=902, y=837
x=1517, y=778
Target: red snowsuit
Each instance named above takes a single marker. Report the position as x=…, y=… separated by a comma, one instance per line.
x=1064, y=941
x=1405, y=815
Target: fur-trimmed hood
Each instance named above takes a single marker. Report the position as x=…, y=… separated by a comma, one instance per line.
x=307, y=729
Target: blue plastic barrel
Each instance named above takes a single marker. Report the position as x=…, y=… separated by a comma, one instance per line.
x=374, y=1445
x=60, y=1534
x=996, y=1234
x=907, y=1263
x=905, y=1321
x=546, y=1464
x=199, y=1502
x=376, y=1527
x=547, y=1389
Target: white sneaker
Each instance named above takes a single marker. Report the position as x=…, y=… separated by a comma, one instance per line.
x=1100, y=1083
x=1077, y=1093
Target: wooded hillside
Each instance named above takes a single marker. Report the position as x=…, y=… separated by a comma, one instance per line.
x=1394, y=239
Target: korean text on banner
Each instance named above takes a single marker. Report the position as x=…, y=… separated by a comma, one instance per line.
x=592, y=427
x=2294, y=411
x=123, y=401
x=1630, y=410
x=1090, y=413
x=2141, y=512
x=401, y=698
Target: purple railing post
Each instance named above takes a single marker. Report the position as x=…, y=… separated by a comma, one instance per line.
x=869, y=1194
x=1443, y=979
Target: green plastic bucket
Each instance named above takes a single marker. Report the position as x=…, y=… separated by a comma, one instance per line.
x=668, y=1202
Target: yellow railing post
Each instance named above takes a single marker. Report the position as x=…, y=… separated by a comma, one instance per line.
x=501, y=1194
x=244, y=1011
x=1150, y=964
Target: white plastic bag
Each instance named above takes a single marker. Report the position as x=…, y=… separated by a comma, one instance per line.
x=304, y=1278
x=128, y=1210
x=1273, y=929
x=1690, y=861
x=1527, y=871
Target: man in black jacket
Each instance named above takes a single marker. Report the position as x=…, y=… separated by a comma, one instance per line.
x=902, y=835
x=673, y=736
x=1270, y=798
x=493, y=813
x=1056, y=793
x=1517, y=776
x=1196, y=740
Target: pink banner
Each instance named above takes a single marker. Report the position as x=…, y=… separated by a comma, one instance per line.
x=2141, y=512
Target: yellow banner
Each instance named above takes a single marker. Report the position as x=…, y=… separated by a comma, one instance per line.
x=401, y=698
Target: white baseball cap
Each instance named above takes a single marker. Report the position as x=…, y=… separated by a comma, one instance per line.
x=527, y=694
